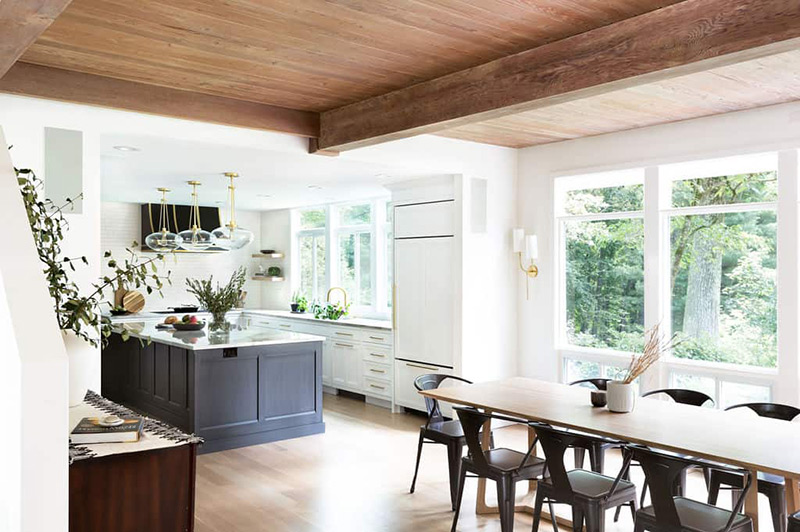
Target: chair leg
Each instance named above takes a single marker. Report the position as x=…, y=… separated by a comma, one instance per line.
x=577, y=518
x=506, y=492
x=777, y=506
x=735, y=494
x=680, y=487
x=461, y=481
x=537, y=511
x=553, y=520
x=455, y=451
x=638, y=527
x=580, y=455
x=644, y=494
x=595, y=518
x=419, y=454
x=618, y=511
x=713, y=489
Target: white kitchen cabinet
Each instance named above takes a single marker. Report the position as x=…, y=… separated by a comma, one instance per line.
x=424, y=288
x=424, y=220
x=327, y=364
x=345, y=365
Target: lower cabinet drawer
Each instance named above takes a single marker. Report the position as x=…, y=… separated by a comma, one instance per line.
x=379, y=355
x=377, y=388
x=377, y=371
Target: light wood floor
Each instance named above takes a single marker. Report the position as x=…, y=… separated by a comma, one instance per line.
x=355, y=477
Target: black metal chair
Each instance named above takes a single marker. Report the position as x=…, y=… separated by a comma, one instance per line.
x=504, y=466
x=686, y=397
x=597, y=449
x=773, y=486
x=589, y=493
x=671, y=513
x=794, y=523
x=442, y=431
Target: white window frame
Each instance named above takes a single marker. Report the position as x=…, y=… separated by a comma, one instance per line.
x=378, y=229
x=318, y=292
x=781, y=381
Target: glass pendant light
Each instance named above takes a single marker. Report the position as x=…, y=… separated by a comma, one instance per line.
x=231, y=236
x=163, y=239
x=195, y=238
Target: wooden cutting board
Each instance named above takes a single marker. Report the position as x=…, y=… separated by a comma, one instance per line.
x=133, y=301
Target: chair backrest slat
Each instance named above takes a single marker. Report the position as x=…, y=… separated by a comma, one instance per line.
x=686, y=397
x=771, y=410
x=431, y=381
x=471, y=422
x=598, y=383
x=661, y=472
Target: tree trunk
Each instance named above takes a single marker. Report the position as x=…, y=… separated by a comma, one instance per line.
x=701, y=314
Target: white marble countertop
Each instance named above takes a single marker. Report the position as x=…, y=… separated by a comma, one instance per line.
x=235, y=314
x=308, y=316
x=238, y=336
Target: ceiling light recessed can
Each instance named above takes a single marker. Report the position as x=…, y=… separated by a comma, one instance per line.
x=126, y=148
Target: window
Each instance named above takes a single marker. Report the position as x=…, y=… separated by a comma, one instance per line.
x=347, y=245
x=711, y=229
x=312, y=252
x=603, y=239
x=723, y=268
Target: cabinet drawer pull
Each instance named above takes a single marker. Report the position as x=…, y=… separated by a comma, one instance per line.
x=378, y=387
x=377, y=338
x=344, y=345
x=377, y=370
x=286, y=326
x=421, y=367
x=343, y=334
x=377, y=355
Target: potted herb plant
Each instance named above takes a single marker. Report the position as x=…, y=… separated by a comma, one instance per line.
x=220, y=299
x=330, y=311
x=621, y=393
x=299, y=303
x=79, y=317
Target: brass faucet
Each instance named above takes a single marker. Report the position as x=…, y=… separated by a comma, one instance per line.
x=344, y=292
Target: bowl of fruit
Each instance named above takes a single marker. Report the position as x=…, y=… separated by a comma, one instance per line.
x=189, y=323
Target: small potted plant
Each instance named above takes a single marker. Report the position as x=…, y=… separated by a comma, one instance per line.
x=220, y=299
x=299, y=303
x=330, y=311
x=621, y=393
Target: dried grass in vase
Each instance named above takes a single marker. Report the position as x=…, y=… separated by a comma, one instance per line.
x=656, y=344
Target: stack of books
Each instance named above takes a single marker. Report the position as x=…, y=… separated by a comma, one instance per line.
x=108, y=429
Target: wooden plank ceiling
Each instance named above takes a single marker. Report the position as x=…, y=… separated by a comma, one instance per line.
x=320, y=55
x=312, y=55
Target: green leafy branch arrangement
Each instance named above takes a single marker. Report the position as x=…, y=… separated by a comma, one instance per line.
x=76, y=312
x=221, y=299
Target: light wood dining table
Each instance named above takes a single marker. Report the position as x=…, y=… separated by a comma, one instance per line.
x=750, y=442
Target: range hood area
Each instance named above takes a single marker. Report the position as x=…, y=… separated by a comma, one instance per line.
x=178, y=220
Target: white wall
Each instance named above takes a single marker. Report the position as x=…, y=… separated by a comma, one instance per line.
x=33, y=379
x=121, y=225
x=276, y=233
x=766, y=129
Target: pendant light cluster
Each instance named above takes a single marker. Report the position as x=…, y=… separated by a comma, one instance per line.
x=227, y=237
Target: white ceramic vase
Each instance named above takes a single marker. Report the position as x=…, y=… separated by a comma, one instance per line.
x=82, y=357
x=621, y=397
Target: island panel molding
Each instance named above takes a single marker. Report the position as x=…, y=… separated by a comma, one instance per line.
x=233, y=394
x=691, y=36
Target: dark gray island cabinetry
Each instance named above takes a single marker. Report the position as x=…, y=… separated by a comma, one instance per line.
x=243, y=388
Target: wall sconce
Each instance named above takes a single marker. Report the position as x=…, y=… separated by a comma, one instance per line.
x=531, y=252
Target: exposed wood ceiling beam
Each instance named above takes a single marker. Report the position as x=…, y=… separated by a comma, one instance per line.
x=687, y=37
x=65, y=85
x=22, y=21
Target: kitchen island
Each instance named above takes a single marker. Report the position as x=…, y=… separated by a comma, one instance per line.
x=243, y=387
